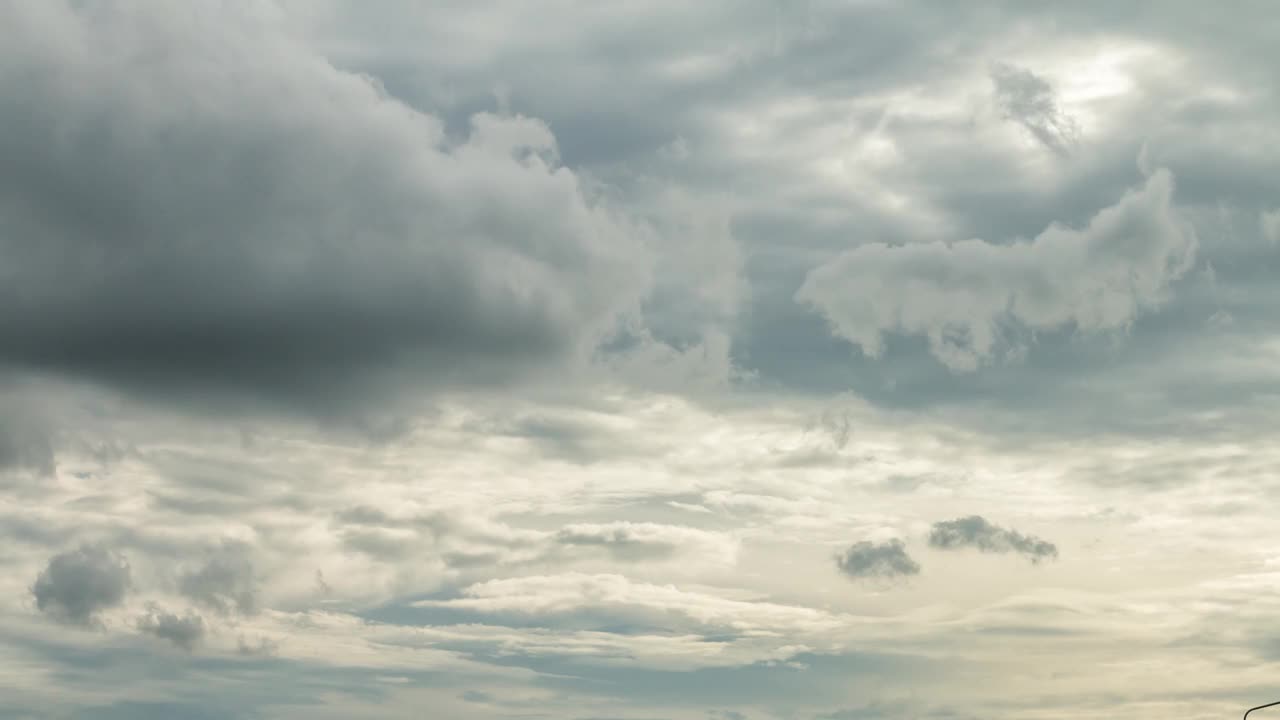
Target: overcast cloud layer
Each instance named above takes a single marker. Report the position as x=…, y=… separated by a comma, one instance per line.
x=721, y=361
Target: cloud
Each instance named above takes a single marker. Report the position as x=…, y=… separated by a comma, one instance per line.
x=975, y=532
x=25, y=444
x=77, y=584
x=616, y=596
x=581, y=439
x=470, y=540
x=239, y=203
x=224, y=583
x=640, y=541
x=461, y=537
x=1028, y=100
x=895, y=709
x=262, y=647
x=961, y=295
x=1269, y=222
x=289, y=231
x=184, y=631
x=144, y=710
x=866, y=559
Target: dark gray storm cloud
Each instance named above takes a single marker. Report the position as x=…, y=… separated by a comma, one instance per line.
x=224, y=583
x=184, y=631
x=289, y=230
x=866, y=559
x=976, y=532
x=77, y=584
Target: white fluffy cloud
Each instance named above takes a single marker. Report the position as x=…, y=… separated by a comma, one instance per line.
x=962, y=295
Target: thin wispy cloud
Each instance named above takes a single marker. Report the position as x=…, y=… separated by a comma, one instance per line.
x=1029, y=100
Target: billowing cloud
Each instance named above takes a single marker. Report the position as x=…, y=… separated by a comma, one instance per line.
x=963, y=295
x=79, y=583
x=184, y=631
x=888, y=559
x=1028, y=99
x=976, y=532
x=289, y=230
x=621, y=472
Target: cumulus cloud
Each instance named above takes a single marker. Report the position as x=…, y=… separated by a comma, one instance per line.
x=975, y=531
x=224, y=583
x=1029, y=100
x=866, y=559
x=79, y=583
x=960, y=295
x=289, y=229
x=184, y=631
x=227, y=200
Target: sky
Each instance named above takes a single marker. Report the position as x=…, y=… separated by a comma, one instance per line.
x=730, y=360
